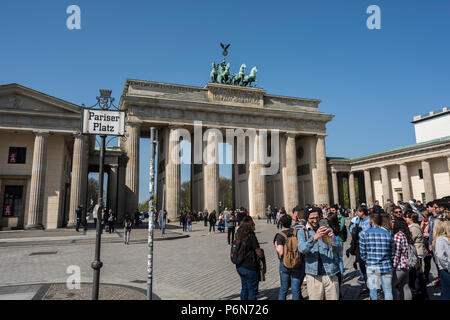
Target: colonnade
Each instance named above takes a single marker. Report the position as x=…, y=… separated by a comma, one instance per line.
x=387, y=190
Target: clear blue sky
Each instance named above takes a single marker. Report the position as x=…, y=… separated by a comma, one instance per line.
x=373, y=81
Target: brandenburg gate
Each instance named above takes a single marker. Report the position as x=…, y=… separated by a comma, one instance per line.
x=290, y=131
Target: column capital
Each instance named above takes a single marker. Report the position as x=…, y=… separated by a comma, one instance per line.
x=133, y=124
x=334, y=169
x=291, y=134
x=41, y=133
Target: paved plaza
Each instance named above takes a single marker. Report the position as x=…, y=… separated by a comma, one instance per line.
x=194, y=267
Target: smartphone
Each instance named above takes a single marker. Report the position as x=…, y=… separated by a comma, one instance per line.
x=323, y=223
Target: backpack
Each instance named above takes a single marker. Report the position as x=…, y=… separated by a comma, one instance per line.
x=238, y=252
x=292, y=258
x=411, y=261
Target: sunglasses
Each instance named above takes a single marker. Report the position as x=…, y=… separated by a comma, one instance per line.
x=397, y=212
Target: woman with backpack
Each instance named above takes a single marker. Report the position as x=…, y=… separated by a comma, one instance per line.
x=402, y=241
x=246, y=255
x=292, y=267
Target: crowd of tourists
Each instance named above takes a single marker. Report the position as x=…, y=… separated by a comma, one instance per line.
x=393, y=247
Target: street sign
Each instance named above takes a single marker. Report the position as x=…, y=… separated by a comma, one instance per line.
x=103, y=122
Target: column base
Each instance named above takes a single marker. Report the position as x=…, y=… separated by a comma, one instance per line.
x=71, y=225
x=34, y=227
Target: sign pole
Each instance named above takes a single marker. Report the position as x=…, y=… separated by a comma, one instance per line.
x=102, y=122
x=151, y=215
x=97, y=264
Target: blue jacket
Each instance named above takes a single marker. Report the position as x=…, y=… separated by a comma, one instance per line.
x=311, y=249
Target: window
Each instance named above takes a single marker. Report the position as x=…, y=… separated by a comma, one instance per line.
x=423, y=197
x=12, y=203
x=420, y=174
x=303, y=170
x=17, y=155
x=242, y=168
x=399, y=176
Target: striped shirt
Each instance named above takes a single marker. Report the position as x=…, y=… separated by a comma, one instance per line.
x=376, y=248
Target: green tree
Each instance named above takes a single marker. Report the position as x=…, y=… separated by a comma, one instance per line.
x=346, y=195
x=185, y=196
x=225, y=192
x=143, y=206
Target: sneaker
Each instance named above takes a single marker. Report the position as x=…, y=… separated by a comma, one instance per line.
x=437, y=282
x=360, y=280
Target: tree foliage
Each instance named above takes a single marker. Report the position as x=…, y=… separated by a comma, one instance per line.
x=93, y=188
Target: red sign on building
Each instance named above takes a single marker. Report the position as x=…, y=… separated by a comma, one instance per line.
x=7, y=210
x=12, y=157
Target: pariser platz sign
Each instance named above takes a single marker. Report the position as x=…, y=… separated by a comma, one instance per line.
x=103, y=122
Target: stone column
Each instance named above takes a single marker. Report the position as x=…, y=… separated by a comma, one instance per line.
x=172, y=197
x=351, y=190
x=211, y=173
x=406, y=185
x=430, y=193
x=37, y=185
x=77, y=183
x=320, y=175
x=448, y=166
x=334, y=181
x=289, y=173
x=368, y=187
x=385, y=185
x=132, y=170
x=257, y=181
x=112, y=190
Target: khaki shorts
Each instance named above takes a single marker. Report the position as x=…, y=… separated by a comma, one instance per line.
x=322, y=287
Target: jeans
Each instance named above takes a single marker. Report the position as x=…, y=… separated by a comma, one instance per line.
x=230, y=235
x=77, y=227
x=189, y=226
x=162, y=225
x=445, y=285
x=212, y=226
x=249, y=282
x=184, y=226
x=291, y=278
x=126, y=235
x=341, y=261
x=373, y=283
x=427, y=267
x=402, y=291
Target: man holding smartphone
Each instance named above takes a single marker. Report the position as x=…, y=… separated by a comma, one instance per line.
x=321, y=257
